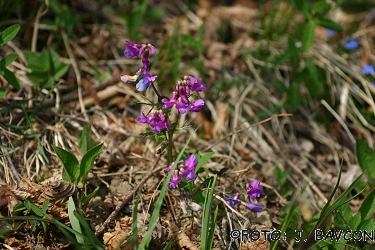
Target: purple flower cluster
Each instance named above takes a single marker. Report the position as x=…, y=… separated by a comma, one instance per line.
x=253, y=190
x=157, y=121
x=136, y=50
x=181, y=94
x=187, y=171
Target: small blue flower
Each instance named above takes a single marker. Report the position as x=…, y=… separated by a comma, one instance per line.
x=351, y=45
x=233, y=201
x=330, y=32
x=254, y=207
x=368, y=69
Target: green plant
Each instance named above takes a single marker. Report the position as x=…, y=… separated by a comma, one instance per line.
x=5, y=36
x=46, y=68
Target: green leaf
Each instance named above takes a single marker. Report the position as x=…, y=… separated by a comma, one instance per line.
x=355, y=221
x=60, y=71
x=311, y=75
x=322, y=7
x=294, y=98
x=9, y=33
x=74, y=221
x=94, y=241
x=308, y=37
x=11, y=78
x=86, y=199
x=155, y=214
x=367, y=225
x=206, y=241
x=368, y=206
x=71, y=165
x=8, y=59
x=343, y=215
x=88, y=159
x=304, y=7
x=85, y=141
x=3, y=92
x=328, y=24
x=203, y=160
x=366, y=158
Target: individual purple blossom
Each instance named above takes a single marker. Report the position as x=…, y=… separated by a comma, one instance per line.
x=195, y=84
x=233, y=201
x=169, y=168
x=254, y=190
x=254, y=207
x=146, y=81
x=330, y=32
x=368, y=69
x=168, y=104
x=175, y=180
x=134, y=49
x=189, y=168
x=351, y=45
x=197, y=106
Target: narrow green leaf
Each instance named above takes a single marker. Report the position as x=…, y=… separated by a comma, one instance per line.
x=294, y=98
x=355, y=221
x=205, y=240
x=322, y=7
x=203, y=160
x=313, y=81
x=155, y=214
x=211, y=235
x=11, y=78
x=367, y=225
x=71, y=165
x=9, y=33
x=3, y=92
x=308, y=37
x=304, y=7
x=368, y=206
x=328, y=24
x=88, y=159
x=85, y=141
x=86, y=199
x=8, y=59
x=366, y=158
x=60, y=71
x=73, y=220
x=94, y=241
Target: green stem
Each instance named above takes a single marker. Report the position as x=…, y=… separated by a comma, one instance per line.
x=156, y=91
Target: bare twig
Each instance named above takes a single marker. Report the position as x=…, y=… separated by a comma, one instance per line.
x=127, y=198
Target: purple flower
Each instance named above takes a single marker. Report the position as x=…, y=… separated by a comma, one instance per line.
x=144, y=83
x=189, y=168
x=156, y=120
x=368, y=69
x=254, y=207
x=143, y=118
x=134, y=49
x=254, y=190
x=181, y=106
x=197, y=106
x=169, y=168
x=195, y=84
x=330, y=32
x=351, y=45
x=233, y=201
x=168, y=104
x=175, y=180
